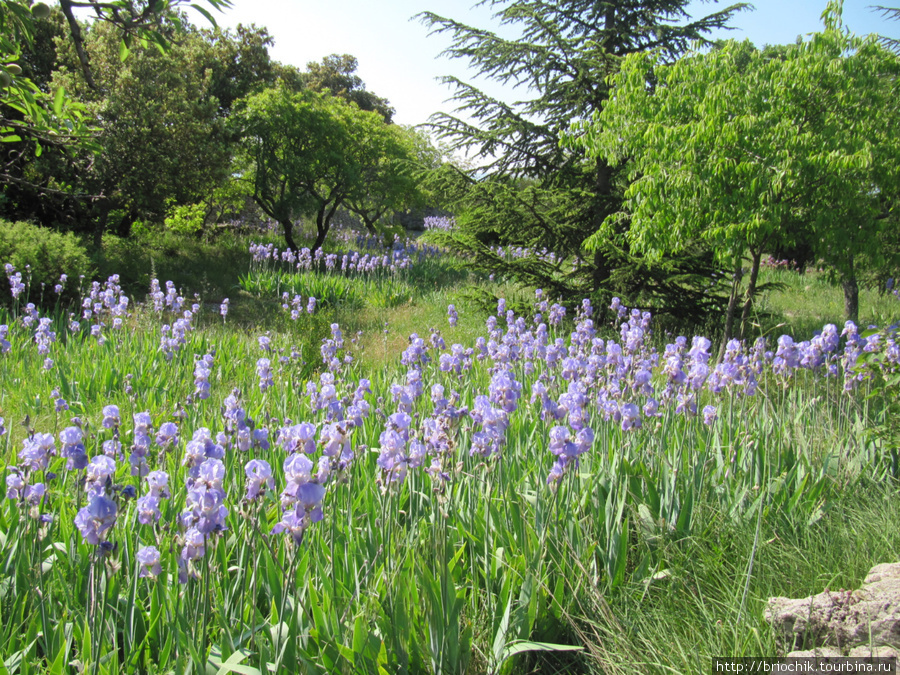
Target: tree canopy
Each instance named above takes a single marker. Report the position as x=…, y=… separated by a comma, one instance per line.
x=309, y=153
x=159, y=137
x=29, y=110
x=390, y=179
x=559, y=55
x=742, y=148
x=336, y=74
x=148, y=116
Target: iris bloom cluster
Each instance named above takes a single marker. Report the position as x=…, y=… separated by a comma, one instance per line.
x=296, y=307
x=444, y=223
x=351, y=262
x=16, y=286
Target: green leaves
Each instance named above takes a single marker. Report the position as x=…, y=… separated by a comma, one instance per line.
x=310, y=153
x=732, y=144
x=752, y=151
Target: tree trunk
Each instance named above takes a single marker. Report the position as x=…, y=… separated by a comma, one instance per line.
x=288, y=228
x=751, y=291
x=78, y=41
x=123, y=228
x=737, y=274
x=278, y=216
x=602, y=267
x=851, y=294
x=321, y=233
x=104, y=208
x=601, y=271
x=370, y=224
x=323, y=223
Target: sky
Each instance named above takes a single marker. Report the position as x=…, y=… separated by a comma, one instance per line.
x=399, y=61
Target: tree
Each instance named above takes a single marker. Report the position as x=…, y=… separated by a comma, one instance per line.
x=390, y=179
x=337, y=74
x=31, y=115
x=160, y=130
x=307, y=154
x=241, y=64
x=892, y=13
x=738, y=145
x=161, y=136
x=560, y=58
x=29, y=112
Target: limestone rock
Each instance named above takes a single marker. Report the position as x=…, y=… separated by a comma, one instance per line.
x=867, y=652
x=868, y=617
x=818, y=653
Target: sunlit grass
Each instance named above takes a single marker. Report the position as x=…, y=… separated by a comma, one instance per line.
x=804, y=303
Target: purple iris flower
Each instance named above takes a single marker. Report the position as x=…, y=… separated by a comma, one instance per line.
x=100, y=470
x=148, y=509
x=110, y=417
x=95, y=519
x=259, y=478
x=149, y=558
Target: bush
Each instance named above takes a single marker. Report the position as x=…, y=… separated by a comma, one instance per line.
x=186, y=219
x=42, y=255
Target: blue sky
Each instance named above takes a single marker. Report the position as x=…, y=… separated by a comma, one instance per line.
x=398, y=60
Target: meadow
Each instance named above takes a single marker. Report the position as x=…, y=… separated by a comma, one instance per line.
x=393, y=479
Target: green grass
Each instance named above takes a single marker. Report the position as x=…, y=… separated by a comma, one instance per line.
x=639, y=561
x=680, y=621
x=802, y=304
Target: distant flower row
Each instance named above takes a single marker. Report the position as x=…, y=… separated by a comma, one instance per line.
x=402, y=255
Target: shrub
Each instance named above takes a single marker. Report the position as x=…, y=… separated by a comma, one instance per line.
x=42, y=255
x=186, y=219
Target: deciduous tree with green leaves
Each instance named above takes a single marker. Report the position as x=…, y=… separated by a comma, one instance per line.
x=37, y=115
x=308, y=154
x=160, y=129
x=737, y=146
x=336, y=73
x=161, y=138
x=391, y=181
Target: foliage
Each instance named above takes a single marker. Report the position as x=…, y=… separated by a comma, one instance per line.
x=787, y=148
x=478, y=565
x=42, y=255
x=154, y=251
x=688, y=287
x=330, y=290
x=240, y=64
x=187, y=219
x=308, y=154
x=636, y=561
x=336, y=74
x=162, y=133
x=34, y=114
x=559, y=54
x=798, y=304
x=892, y=13
x=391, y=180
x=884, y=376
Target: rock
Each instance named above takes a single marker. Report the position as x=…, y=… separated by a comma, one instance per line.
x=818, y=653
x=868, y=617
x=868, y=652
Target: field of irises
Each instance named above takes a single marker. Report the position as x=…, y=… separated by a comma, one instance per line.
x=184, y=495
